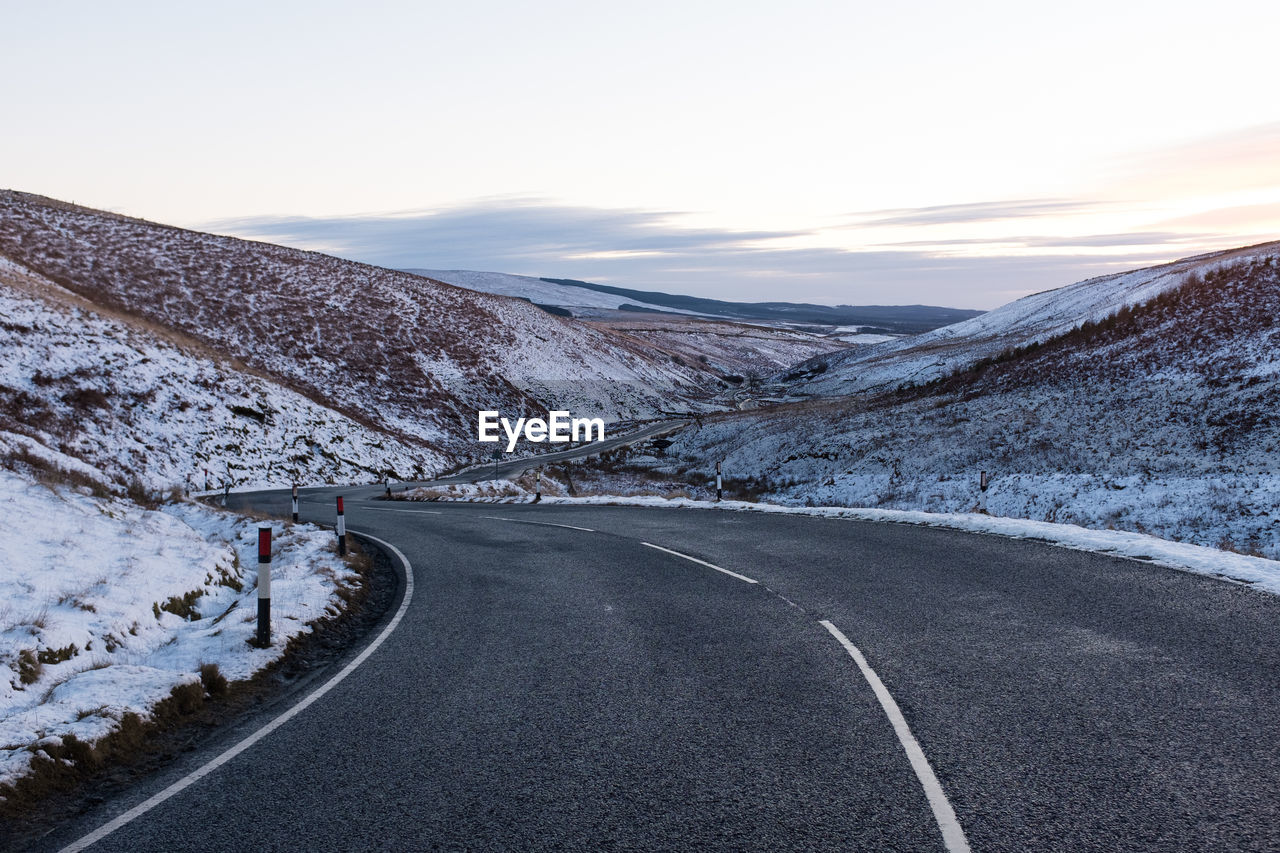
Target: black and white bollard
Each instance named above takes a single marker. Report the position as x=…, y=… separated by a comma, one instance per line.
x=983, y=481
x=537, y=485
x=719, y=484
x=264, y=587
x=226, y=490
x=206, y=479
x=295, y=502
x=388, y=485
x=342, y=529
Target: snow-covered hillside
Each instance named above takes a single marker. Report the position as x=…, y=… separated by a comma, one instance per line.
x=396, y=351
x=108, y=607
x=578, y=300
x=740, y=349
x=123, y=403
x=725, y=346
x=1162, y=419
x=1036, y=318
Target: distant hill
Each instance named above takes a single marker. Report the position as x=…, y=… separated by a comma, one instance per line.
x=311, y=366
x=1031, y=320
x=545, y=293
x=1145, y=401
x=897, y=319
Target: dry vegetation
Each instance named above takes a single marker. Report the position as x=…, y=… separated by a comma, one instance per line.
x=1161, y=418
x=393, y=351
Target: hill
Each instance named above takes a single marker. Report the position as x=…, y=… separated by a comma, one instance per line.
x=585, y=299
x=577, y=301
x=403, y=356
x=1158, y=417
x=887, y=319
x=1027, y=321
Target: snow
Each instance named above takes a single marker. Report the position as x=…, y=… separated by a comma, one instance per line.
x=865, y=338
x=404, y=352
x=89, y=580
x=581, y=301
x=123, y=404
x=1036, y=318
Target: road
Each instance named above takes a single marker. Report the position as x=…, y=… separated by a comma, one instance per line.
x=509, y=469
x=554, y=682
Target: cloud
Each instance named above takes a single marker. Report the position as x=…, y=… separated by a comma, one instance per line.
x=1131, y=239
x=648, y=250
x=495, y=233
x=958, y=214
x=1236, y=217
x=1242, y=160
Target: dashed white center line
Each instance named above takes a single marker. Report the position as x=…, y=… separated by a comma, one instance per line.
x=952, y=834
x=542, y=523
x=699, y=562
x=390, y=509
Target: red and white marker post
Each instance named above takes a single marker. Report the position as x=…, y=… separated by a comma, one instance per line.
x=264, y=586
x=719, y=483
x=342, y=529
x=537, y=486
x=295, y=502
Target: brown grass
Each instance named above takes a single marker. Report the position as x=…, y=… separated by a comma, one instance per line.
x=215, y=683
x=68, y=765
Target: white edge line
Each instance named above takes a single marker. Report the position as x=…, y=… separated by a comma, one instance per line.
x=198, y=774
x=952, y=833
x=543, y=523
x=700, y=562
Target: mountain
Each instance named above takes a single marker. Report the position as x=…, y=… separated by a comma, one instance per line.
x=1147, y=401
x=94, y=397
x=542, y=292
x=1025, y=322
x=732, y=349
x=584, y=299
x=406, y=359
x=891, y=319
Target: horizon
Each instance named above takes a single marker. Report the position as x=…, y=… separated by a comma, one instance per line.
x=934, y=156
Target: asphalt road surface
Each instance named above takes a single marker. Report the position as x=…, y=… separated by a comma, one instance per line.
x=554, y=682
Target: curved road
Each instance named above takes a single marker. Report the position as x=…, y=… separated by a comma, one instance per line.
x=555, y=682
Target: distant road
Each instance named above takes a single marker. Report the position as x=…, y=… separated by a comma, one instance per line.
x=510, y=469
x=587, y=677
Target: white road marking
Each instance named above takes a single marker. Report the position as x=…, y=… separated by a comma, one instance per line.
x=952, y=834
x=543, y=523
x=196, y=775
x=392, y=509
x=700, y=562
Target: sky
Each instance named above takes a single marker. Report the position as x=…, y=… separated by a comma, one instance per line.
x=831, y=152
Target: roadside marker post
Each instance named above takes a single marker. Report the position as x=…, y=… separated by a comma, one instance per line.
x=264, y=587
x=719, y=484
x=342, y=529
x=983, y=481
x=537, y=485
x=387, y=483
x=226, y=490
x=295, y=502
